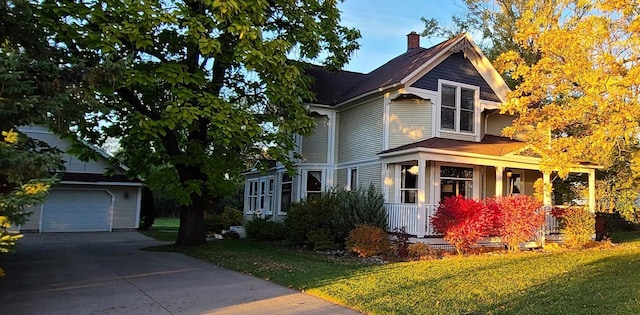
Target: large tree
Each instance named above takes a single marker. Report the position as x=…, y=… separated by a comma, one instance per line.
x=193, y=87
x=32, y=88
x=572, y=65
x=579, y=101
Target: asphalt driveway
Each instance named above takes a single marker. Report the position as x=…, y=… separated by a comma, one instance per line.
x=107, y=273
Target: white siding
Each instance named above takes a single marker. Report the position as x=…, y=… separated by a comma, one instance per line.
x=495, y=124
x=390, y=183
x=361, y=132
x=124, y=208
x=314, y=147
x=409, y=121
x=341, y=181
x=72, y=164
x=457, y=136
x=368, y=174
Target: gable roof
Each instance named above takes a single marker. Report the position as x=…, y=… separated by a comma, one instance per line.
x=489, y=145
x=333, y=88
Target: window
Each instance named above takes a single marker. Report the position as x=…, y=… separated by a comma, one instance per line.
x=252, y=196
x=286, y=193
x=409, y=183
x=267, y=193
x=456, y=181
x=352, y=179
x=515, y=184
x=457, y=108
x=314, y=183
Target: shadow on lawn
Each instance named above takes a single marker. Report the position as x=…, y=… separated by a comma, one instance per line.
x=605, y=286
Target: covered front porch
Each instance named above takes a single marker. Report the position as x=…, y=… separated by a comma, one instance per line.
x=417, y=178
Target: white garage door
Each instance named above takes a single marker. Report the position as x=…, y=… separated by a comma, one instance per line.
x=72, y=210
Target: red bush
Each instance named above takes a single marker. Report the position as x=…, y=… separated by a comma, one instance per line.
x=515, y=219
x=462, y=221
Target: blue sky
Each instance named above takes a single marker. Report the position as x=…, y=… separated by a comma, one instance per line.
x=384, y=25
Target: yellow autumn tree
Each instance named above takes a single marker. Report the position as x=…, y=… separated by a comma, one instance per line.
x=580, y=100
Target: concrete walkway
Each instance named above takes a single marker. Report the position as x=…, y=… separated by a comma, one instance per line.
x=106, y=273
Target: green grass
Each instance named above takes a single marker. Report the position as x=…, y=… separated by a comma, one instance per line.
x=164, y=229
x=593, y=281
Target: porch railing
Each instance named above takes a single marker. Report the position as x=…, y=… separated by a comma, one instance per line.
x=551, y=223
x=416, y=220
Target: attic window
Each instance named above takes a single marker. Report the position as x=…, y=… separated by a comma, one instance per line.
x=458, y=107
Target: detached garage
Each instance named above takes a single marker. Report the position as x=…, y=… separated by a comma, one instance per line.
x=77, y=210
x=85, y=200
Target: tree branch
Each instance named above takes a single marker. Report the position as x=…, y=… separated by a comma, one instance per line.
x=134, y=101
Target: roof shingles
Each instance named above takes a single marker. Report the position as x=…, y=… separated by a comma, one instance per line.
x=489, y=145
x=333, y=88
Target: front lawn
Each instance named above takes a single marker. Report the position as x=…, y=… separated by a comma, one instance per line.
x=594, y=281
x=164, y=229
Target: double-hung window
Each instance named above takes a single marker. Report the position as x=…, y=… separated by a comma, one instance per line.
x=285, y=193
x=352, y=179
x=314, y=183
x=458, y=108
x=252, y=196
x=409, y=183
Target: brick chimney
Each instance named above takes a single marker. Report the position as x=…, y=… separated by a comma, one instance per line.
x=413, y=40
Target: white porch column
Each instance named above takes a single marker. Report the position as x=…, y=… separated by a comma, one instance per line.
x=592, y=191
x=422, y=209
x=546, y=179
x=499, y=180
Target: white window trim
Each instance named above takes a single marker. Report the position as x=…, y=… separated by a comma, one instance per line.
x=476, y=116
x=269, y=194
x=305, y=175
x=350, y=179
x=399, y=189
x=280, y=183
x=248, y=196
x=522, y=182
x=475, y=180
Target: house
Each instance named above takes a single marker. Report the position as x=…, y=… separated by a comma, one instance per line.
x=85, y=200
x=421, y=127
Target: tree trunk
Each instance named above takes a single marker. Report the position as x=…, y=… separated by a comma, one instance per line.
x=192, y=230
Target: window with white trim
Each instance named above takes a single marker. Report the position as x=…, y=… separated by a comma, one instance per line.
x=352, y=179
x=456, y=181
x=458, y=108
x=286, y=193
x=314, y=183
x=267, y=185
x=252, y=196
x=409, y=183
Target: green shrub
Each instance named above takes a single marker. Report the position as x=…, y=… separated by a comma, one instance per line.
x=320, y=240
x=577, y=224
x=309, y=215
x=367, y=240
x=265, y=230
x=360, y=206
x=213, y=223
x=231, y=216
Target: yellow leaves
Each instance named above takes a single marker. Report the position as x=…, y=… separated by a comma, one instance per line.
x=10, y=136
x=35, y=188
